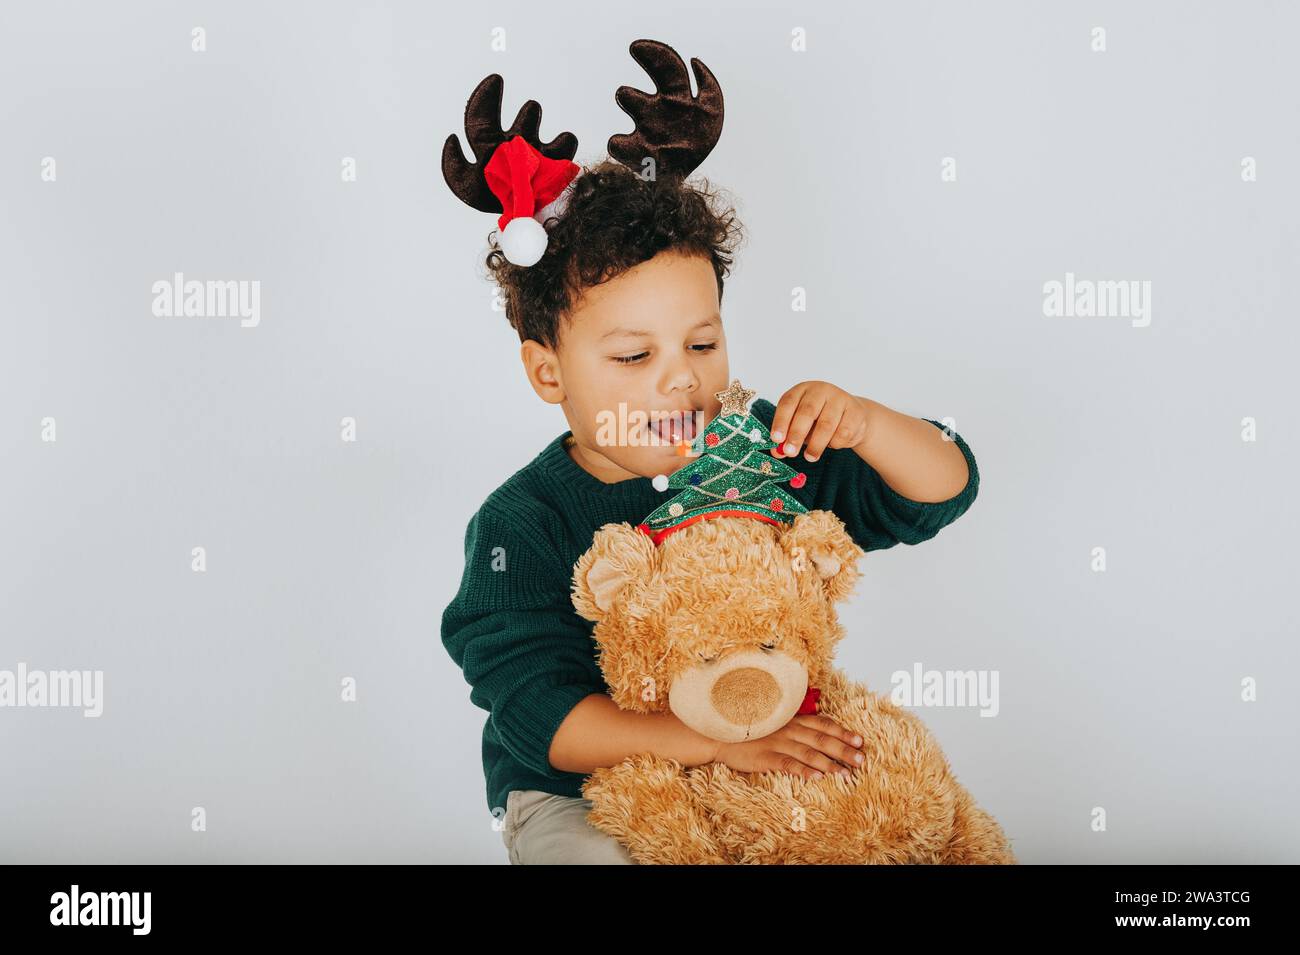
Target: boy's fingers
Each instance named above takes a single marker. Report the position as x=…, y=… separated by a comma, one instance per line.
x=828, y=725
x=828, y=423
x=806, y=761
x=829, y=743
x=792, y=767
x=801, y=423
x=785, y=408
x=849, y=740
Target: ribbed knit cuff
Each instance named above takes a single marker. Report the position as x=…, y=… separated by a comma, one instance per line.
x=534, y=726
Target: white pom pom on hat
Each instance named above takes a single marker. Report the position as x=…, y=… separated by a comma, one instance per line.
x=523, y=241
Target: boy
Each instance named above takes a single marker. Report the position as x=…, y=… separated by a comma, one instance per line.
x=626, y=309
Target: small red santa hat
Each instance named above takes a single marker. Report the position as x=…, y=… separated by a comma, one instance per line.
x=528, y=185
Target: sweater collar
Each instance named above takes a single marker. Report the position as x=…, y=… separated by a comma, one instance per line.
x=557, y=462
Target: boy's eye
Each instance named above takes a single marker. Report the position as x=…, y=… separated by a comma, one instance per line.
x=630, y=359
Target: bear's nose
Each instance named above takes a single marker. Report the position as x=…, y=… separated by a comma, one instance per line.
x=745, y=695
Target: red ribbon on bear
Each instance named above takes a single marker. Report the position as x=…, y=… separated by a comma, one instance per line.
x=809, y=704
x=524, y=180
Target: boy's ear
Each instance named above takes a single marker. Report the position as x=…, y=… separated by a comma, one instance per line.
x=819, y=545
x=540, y=367
x=618, y=555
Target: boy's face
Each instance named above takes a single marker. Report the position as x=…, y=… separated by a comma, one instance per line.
x=651, y=339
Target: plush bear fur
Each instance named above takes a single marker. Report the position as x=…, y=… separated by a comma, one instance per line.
x=678, y=617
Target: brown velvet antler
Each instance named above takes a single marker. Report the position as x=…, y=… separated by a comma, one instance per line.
x=674, y=127
x=484, y=133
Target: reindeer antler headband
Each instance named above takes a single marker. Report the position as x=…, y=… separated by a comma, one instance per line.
x=526, y=180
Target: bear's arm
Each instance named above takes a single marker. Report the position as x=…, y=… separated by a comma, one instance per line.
x=875, y=515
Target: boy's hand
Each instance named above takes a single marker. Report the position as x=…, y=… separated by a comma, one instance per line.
x=818, y=413
x=807, y=746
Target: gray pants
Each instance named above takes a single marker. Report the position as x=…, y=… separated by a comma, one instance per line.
x=544, y=829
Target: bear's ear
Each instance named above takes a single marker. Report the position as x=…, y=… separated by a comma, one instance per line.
x=819, y=545
x=618, y=555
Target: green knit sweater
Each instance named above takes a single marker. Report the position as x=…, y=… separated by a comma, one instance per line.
x=511, y=628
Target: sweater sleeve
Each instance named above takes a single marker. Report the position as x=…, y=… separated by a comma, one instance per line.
x=875, y=515
x=511, y=628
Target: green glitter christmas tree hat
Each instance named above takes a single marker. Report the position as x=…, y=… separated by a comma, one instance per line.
x=733, y=474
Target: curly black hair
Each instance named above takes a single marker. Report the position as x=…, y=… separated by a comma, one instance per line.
x=614, y=220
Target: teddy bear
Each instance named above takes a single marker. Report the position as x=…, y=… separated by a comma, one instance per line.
x=730, y=624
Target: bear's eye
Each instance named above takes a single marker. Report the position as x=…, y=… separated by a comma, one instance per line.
x=707, y=659
x=769, y=646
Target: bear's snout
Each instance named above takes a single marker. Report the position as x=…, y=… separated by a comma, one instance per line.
x=746, y=694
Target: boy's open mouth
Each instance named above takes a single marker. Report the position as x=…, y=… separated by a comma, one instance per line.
x=671, y=427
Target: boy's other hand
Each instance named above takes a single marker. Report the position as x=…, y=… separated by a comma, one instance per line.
x=822, y=416
x=807, y=746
